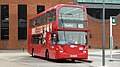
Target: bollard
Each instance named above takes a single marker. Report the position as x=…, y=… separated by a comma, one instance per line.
x=23, y=48
x=90, y=46
x=116, y=47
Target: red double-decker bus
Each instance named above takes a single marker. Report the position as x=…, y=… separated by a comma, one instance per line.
x=60, y=32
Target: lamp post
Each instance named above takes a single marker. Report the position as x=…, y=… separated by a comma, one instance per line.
x=103, y=35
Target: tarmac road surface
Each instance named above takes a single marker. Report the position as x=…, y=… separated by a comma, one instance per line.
x=18, y=58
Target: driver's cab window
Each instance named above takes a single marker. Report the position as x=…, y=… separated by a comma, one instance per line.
x=61, y=40
x=54, y=37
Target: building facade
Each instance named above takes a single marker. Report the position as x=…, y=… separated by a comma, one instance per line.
x=94, y=10
x=14, y=15
x=13, y=20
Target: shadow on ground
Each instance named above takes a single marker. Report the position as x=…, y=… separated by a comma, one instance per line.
x=64, y=60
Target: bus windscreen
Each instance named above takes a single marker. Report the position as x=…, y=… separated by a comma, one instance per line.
x=71, y=37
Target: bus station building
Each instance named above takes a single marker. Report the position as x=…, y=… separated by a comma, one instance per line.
x=14, y=15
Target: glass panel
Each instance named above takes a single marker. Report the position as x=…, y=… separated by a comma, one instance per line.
x=37, y=39
x=40, y=8
x=79, y=0
x=71, y=17
x=72, y=13
x=4, y=22
x=49, y=17
x=84, y=0
x=100, y=1
x=22, y=21
x=53, y=12
x=43, y=19
x=108, y=1
x=116, y=1
x=97, y=1
x=97, y=13
x=71, y=37
x=87, y=0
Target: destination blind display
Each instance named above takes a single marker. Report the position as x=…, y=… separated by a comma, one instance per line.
x=74, y=25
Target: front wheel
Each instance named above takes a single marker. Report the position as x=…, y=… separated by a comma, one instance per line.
x=47, y=55
x=73, y=60
x=33, y=55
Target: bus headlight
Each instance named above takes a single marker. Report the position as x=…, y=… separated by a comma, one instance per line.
x=61, y=51
x=80, y=48
x=84, y=51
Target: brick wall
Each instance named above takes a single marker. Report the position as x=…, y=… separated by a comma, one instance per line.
x=13, y=42
x=96, y=28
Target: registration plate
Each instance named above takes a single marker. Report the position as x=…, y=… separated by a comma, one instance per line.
x=73, y=55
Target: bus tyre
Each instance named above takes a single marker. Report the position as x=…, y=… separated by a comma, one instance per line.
x=47, y=55
x=33, y=53
x=73, y=60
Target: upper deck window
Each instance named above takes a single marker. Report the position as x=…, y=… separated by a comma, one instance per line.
x=42, y=19
x=72, y=13
x=72, y=17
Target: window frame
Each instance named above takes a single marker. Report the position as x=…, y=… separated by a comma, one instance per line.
x=4, y=26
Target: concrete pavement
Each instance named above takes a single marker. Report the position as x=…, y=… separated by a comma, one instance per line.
x=13, y=58
x=96, y=56
x=4, y=63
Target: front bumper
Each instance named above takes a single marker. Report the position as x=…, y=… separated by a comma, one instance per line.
x=72, y=56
